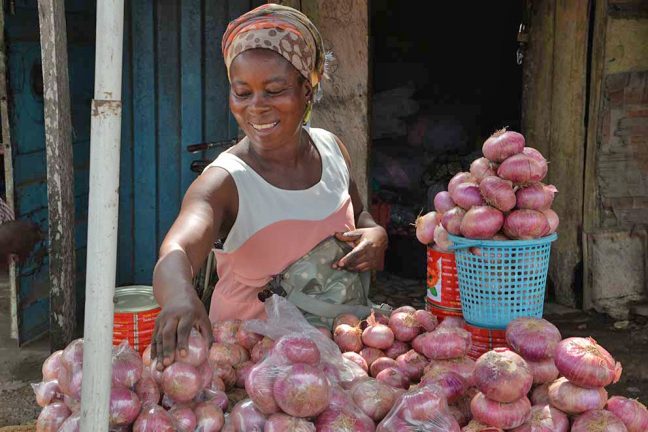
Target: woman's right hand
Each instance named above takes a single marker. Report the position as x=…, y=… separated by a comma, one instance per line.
x=173, y=325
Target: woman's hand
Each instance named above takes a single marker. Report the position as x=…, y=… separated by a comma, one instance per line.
x=173, y=326
x=369, y=245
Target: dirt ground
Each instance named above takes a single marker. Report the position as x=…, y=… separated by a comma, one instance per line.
x=627, y=342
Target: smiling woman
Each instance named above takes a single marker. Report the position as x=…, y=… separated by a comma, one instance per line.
x=281, y=192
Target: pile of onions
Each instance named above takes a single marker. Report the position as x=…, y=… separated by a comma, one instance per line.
x=502, y=375
x=585, y=363
x=631, y=412
x=598, y=420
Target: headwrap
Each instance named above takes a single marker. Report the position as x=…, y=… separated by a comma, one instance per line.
x=282, y=29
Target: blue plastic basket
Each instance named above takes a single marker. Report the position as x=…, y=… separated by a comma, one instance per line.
x=501, y=280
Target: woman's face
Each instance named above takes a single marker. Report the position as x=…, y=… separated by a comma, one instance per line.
x=268, y=97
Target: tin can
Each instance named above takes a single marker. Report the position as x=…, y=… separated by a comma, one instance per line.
x=442, y=280
x=441, y=312
x=484, y=339
x=135, y=313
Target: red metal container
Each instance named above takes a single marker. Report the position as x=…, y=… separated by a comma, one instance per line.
x=441, y=313
x=442, y=281
x=484, y=339
x=135, y=313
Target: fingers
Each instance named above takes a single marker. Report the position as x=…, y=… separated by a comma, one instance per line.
x=169, y=333
x=205, y=329
x=350, y=259
x=184, y=328
x=348, y=236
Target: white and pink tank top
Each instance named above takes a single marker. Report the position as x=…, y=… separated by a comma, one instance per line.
x=275, y=227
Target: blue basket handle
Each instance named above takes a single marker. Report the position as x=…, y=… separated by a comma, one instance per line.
x=465, y=244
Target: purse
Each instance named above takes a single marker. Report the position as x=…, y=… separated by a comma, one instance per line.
x=321, y=292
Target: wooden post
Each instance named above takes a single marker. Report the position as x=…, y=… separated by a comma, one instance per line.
x=60, y=178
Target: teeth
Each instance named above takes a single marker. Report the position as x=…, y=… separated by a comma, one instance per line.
x=263, y=126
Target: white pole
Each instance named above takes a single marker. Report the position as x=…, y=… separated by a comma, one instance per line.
x=103, y=212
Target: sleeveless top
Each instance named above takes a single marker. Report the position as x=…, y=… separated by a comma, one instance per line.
x=275, y=227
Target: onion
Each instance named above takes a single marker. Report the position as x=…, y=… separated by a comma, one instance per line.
x=397, y=349
x=481, y=168
x=246, y=417
x=349, y=373
x=500, y=414
x=181, y=382
x=522, y=169
x=481, y=222
x=344, y=419
x=426, y=320
x=393, y=377
x=412, y=364
x=598, y=420
x=467, y=195
x=217, y=384
x=441, y=238
x=443, y=202
x=298, y=349
x=452, y=321
x=475, y=426
x=631, y=412
x=544, y=418
x=451, y=220
x=464, y=366
x=374, y=398
x=72, y=356
x=381, y=364
x=357, y=359
x=526, y=224
x=586, y=364
x=124, y=406
x=303, y=391
x=155, y=373
x=70, y=382
x=226, y=373
x=225, y=331
x=47, y=392
x=72, y=423
x=73, y=404
x=534, y=339
x=573, y=399
x=209, y=417
x=259, y=387
x=216, y=397
x=378, y=336
x=184, y=418
x=498, y=193
x=348, y=338
x=370, y=355
x=325, y=332
x=540, y=394
x=284, y=423
x=52, y=417
x=242, y=372
x=503, y=144
x=147, y=390
x=126, y=367
x=261, y=349
x=535, y=196
x=457, y=179
x=443, y=343
x=543, y=371
x=346, y=318
x=535, y=154
x=146, y=356
x=552, y=219
x=405, y=308
x=404, y=326
x=247, y=339
x=425, y=227
x=451, y=383
x=206, y=375
x=231, y=354
x=421, y=404
x=196, y=351
x=51, y=366
x=461, y=411
x=154, y=418
x=502, y=375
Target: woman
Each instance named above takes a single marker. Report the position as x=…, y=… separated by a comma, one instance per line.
x=273, y=196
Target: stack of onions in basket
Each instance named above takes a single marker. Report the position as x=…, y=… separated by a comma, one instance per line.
x=502, y=197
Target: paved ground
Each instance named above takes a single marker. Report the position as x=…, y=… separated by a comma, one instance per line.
x=627, y=341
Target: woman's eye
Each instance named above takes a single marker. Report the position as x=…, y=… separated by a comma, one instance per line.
x=275, y=92
x=241, y=95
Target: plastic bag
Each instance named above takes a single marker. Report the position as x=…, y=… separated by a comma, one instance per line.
x=52, y=417
x=127, y=365
x=72, y=423
x=154, y=418
x=47, y=392
x=246, y=417
x=374, y=398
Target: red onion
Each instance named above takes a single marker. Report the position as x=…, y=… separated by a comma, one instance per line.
x=498, y=193
x=378, y=336
x=242, y=372
x=404, y=326
x=374, y=398
x=443, y=202
x=425, y=227
x=206, y=375
x=411, y=364
x=73, y=404
x=573, y=399
x=370, y=354
x=216, y=397
x=540, y=394
x=451, y=383
x=246, y=417
x=247, y=339
x=348, y=338
x=298, y=349
x=154, y=418
x=481, y=222
x=631, y=412
x=460, y=410
x=397, y=349
x=393, y=377
x=357, y=359
x=52, y=417
x=552, y=219
x=148, y=391
x=346, y=318
x=522, y=169
x=326, y=332
x=534, y=339
x=499, y=414
x=467, y=195
x=47, y=392
x=70, y=382
x=503, y=144
x=426, y=320
x=72, y=423
x=231, y=354
x=225, y=372
x=443, y=343
x=457, y=179
x=196, y=350
x=146, y=356
x=543, y=371
x=475, y=426
x=405, y=308
x=184, y=418
x=535, y=154
x=441, y=238
x=156, y=373
x=124, y=406
x=225, y=331
x=526, y=224
x=209, y=417
x=544, y=418
x=482, y=168
x=259, y=386
x=344, y=419
x=598, y=420
x=348, y=373
x=421, y=404
x=72, y=356
x=502, y=375
x=451, y=220
x=381, y=364
x=126, y=367
x=217, y=384
x=261, y=349
x=51, y=366
x=284, y=423
x=464, y=366
x=535, y=196
x=586, y=364
x=303, y=392
x=181, y=382
x=452, y=321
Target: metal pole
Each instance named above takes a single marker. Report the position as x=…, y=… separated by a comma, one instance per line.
x=103, y=212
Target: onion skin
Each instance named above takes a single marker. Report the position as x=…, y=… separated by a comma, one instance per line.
x=540, y=394
x=72, y=423
x=51, y=366
x=381, y=364
x=535, y=196
x=502, y=145
x=196, y=351
x=498, y=414
x=467, y=195
x=126, y=367
x=284, y=423
x=502, y=375
x=543, y=371
x=552, y=219
x=154, y=418
x=393, y=377
x=209, y=417
x=148, y=391
x=346, y=318
x=231, y=354
x=259, y=387
x=357, y=359
x=412, y=364
x=535, y=154
x=443, y=202
x=475, y=426
x=631, y=412
x=572, y=399
x=452, y=384
x=344, y=419
x=452, y=321
x=443, y=343
x=47, y=392
x=303, y=391
x=481, y=222
x=348, y=338
x=184, y=418
x=598, y=420
x=526, y=225
x=261, y=349
x=464, y=366
x=534, y=339
x=457, y=179
x=246, y=417
x=451, y=220
x=498, y=193
x=482, y=168
x=426, y=319
x=374, y=398
x=544, y=418
x=425, y=227
x=404, y=326
x=586, y=364
x=247, y=339
x=370, y=355
x=297, y=349
x=522, y=169
x=52, y=417
x=225, y=331
x=378, y=336
x=441, y=239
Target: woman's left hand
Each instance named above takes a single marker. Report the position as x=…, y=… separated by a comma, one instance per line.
x=369, y=245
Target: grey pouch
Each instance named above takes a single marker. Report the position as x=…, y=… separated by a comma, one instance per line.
x=321, y=292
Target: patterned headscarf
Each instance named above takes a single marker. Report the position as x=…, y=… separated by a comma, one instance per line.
x=282, y=29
